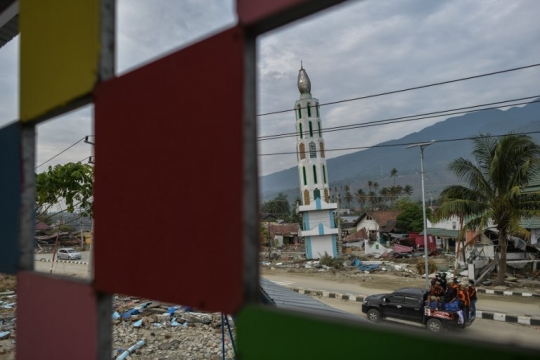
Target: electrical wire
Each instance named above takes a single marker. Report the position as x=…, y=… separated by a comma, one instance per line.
x=416, y=117
x=413, y=88
x=400, y=144
x=61, y=152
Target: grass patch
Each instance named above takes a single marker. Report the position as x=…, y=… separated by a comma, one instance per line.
x=330, y=261
x=421, y=266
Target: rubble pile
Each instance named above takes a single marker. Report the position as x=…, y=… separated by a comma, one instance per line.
x=145, y=330
x=165, y=331
x=7, y=322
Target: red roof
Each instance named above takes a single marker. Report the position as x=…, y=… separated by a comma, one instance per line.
x=40, y=225
x=380, y=217
x=283, y=229
x=359, y=235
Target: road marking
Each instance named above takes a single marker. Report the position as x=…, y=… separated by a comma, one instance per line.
x=283, y=283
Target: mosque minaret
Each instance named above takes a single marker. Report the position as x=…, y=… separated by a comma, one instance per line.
x=319, y=228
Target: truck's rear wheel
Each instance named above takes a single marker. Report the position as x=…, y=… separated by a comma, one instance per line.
x=435, y=326
x=374, y=315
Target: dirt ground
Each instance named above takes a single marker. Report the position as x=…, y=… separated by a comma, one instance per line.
x=393, y=273
x=7, y=282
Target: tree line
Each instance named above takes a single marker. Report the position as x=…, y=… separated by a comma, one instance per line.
x=375, y=197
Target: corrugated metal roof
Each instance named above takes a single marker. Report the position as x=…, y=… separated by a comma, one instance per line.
x=281, y=297
x=442, y=232
x=9, y=20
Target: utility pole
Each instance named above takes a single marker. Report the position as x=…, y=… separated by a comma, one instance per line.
x=56, y=243
x=339, y=242
x=91, y=257
x=80, y=227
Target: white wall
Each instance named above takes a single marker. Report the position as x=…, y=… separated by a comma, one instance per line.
x=535, y=234
x=320, y=245
x=368, y=224
x=316, y=217
x=448, y=224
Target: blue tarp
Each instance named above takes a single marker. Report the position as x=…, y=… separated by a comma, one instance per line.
x=362, y=267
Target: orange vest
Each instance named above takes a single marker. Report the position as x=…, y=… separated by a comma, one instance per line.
x=463, y=295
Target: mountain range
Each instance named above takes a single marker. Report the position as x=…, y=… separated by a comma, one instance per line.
x=356, y=169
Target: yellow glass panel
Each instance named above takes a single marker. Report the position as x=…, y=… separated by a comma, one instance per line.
x=59, y=53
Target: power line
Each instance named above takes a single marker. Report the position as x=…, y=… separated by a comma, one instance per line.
x=429, y=115
x=400, y=144
x=413, y=88
x=61, y=152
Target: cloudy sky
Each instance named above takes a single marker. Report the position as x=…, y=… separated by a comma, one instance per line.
x=352, y=50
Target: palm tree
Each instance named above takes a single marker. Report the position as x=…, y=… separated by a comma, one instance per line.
x=375, y=186
x=408, y=190
x=372, y=198
x=348, y=196
x=370, y=185
x=502, y=168
x=361, y=198
x=385, y=193
x=393, y=174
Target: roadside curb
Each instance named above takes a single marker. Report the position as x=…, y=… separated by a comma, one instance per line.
x=66, y=261
x=506, y=293
x=517, y=319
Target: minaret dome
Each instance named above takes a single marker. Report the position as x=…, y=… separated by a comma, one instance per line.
x=304, y=85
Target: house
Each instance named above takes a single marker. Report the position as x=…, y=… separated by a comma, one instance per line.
x=375, y=223
x=445, y=231
x=41, y=228
x=532, y=224
x=284, y=233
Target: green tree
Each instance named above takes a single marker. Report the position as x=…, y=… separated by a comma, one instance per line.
x=348, y=196
x=370, y=185
x=264, y=235
x=502, y=167
x=279, y=206
x=411, y=217
x=71, y=183
x=361, y=198
x=385, y=195
x=408, y=190
x=393, y=174
x=295, y=217
x=372, y=199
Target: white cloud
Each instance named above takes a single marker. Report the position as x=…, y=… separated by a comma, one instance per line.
x=352, y=50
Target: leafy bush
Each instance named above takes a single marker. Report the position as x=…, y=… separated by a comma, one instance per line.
x=421, y=266
x=330, y=261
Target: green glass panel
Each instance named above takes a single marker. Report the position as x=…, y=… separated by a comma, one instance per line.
x=324, y=173
x=308, y=110
x=314, y=174
x=261, y=336
x=319, y=124
x=301, y=133
x=305, y=177
x=310, y=129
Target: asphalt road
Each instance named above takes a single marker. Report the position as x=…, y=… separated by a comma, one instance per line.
x=512, y=305
x=85, y=255
x=490, y=331
x=62, y=268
